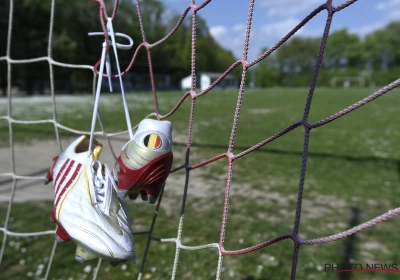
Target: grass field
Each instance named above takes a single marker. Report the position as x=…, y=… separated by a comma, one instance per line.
x=353, y=174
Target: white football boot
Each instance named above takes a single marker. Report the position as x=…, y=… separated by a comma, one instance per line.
x=87, y=209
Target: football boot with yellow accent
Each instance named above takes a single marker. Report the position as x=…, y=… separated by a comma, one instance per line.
x=87, y=209
x=145, y=161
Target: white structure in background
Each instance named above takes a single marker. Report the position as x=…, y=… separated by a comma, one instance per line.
x=205, y=79
x=347, y=81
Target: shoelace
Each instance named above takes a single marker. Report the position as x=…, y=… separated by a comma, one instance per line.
x=105, y=61
x=103, y=184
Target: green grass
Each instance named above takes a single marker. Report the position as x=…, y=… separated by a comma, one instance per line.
x=353, y=166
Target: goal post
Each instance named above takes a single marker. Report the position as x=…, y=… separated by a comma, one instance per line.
x=348, y=81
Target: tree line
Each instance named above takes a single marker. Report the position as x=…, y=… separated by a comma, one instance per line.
x=73, y=20
x=376, y=57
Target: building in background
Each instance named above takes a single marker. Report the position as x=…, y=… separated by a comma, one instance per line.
x=205, y=79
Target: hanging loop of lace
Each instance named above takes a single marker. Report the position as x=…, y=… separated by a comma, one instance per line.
x=110, y=39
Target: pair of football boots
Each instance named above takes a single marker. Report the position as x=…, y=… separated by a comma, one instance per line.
x=88, y=204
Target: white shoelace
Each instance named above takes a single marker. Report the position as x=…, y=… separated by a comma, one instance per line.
x=105, y=61
x=103, y=184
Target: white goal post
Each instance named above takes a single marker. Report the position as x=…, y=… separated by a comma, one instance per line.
x=348, y=81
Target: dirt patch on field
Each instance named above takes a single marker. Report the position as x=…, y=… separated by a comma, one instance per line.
x=32, y=162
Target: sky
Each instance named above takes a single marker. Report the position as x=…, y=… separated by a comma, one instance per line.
x=272, y=19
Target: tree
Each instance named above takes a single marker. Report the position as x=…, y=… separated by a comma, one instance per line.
x=343, y=50
x=267, y=72
x=3, y=46
x=382, y=47
x=30, y=33
x=71, y=43
x=298, y=54
x=296, y=60
x=345, y=54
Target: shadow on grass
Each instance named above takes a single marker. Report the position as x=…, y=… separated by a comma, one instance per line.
x=349, y=253
x=296, y=153
x=23, y=186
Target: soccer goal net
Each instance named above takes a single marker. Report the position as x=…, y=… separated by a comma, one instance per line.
x=249, y=190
